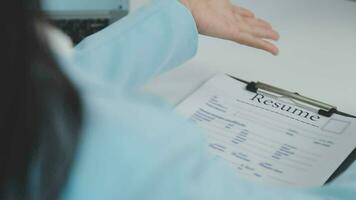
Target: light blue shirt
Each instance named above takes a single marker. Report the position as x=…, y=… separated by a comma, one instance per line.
x=133, y=146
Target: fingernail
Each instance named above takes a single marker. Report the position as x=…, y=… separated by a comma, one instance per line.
x=275, y=53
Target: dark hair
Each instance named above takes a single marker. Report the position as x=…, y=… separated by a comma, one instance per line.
x=40, y=110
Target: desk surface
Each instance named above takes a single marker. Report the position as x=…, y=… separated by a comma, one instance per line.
x=317, y=54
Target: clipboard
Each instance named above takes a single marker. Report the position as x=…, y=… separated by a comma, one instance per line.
x=324, y=109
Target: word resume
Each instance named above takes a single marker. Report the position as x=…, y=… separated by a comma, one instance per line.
x=266, y=138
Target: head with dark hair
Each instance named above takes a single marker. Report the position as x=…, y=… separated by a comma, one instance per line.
x=40, y=109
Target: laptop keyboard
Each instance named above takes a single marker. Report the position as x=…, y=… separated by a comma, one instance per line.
x=78, y=29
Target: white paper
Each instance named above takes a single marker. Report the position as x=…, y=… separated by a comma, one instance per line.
x=268, y=139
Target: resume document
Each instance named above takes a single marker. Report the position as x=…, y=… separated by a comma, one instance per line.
x=267, y=138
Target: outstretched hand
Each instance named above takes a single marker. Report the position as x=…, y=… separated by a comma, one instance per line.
x=220, y=18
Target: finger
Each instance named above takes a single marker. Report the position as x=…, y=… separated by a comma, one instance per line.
x=265, y=23
x=250, y=40
x=258, y=22
x=263, y=33
x=243, y=12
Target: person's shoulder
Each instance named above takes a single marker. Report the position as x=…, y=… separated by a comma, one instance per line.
x=131, y=140
x=137, y=122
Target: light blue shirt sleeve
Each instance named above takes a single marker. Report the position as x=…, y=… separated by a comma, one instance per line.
x=134, y=147
x=125, y=55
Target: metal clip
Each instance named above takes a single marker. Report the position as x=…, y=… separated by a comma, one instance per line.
x=325, y=109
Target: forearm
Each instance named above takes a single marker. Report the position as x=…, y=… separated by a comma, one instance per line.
x=158, y=37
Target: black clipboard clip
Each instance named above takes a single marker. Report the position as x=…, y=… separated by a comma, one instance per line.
x=325, y=109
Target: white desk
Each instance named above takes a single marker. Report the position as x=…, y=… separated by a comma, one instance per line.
x=317, y=58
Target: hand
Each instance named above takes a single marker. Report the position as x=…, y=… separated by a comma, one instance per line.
x=219, y=18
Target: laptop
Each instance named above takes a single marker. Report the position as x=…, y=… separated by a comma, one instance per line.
x=81, y=18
